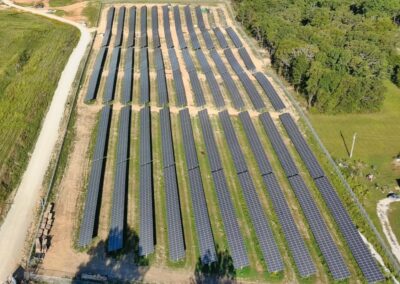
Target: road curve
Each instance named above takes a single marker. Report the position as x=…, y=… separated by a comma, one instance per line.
x=14, y=230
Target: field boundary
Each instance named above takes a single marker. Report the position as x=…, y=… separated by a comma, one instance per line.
x=57, y=157
x=304, y=117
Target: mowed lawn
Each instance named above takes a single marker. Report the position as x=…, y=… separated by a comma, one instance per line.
x=377, y=143
x=33, y=53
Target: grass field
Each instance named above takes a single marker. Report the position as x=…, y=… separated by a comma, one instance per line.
x=33, y=52
x=377, y=143
x=394, y=213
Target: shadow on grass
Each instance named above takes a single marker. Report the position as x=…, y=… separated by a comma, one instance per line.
x=221, y=271
x=124, y=265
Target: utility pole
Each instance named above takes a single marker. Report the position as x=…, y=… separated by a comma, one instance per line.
x=352, y=145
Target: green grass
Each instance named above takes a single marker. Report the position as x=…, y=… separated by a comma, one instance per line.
x=91, y=12
x=376, y=144
x=33, y=52
x=60, y=3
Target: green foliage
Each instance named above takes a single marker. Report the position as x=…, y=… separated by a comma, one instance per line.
x=336, y=53
x=33, y=52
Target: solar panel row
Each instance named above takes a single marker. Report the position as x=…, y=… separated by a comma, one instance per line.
x=212, y=82
x=154, y=27
x=359, y=250
x=234, y=37
x=128, y=76
x=317, y=224
x=174, y=218
x=200, y=20
x=220, y=37
x=247, y=84
x=116, y=234
x=120, y=27
x=94, y=80
x=293, y=238
x=194, y=79
x=132, y=27
x=246, y=59
x=111, y=81
x=144, y=77
x=190, y=27
x=203, y=226
x=161, y=80
x=146, y=229
x=178, y=27
x=208, y=40
x=87, y=229
x=167, y=27
x=143, y=27
x=228, y=81
x=301, y=146
x=269, y=90
x=234, y=236
x=263, y=230
x=177, y=75
x=109, y=24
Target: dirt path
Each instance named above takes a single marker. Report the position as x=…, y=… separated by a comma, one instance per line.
x=16, y=225
x=382, y=209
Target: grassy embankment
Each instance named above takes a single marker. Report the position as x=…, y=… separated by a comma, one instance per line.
x=376, y=145
x=33, y=52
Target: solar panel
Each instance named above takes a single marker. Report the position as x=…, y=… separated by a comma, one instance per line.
x=246, y=59
x=111, y=81
x=246, y=82
x=301, y=146
x=277, y=143
x=210, y=78
x=132, y=27
x=108, y=30
x=179, y=88
x=178, y=27
x=196, y=88
x=330, y=251
x=203, y=226
x=264, y=234
x=234, y=37
x=269, y=91
x=120, y=26
x=208, y=40
x=96, y=75
x=188, y=60
x=220, y=37
x=144, y=77
x=154, y=27
x=174, y=219
x=87, y=228
x=128, y=76
x=143, y=27
x=294, y=240
x=116, y=234
x=359, y=250
x=200, y=20
x=234, y=237
x=167, y=27
x=255, y=143
x=146, y=229
x=190, y=27
x=228, y=81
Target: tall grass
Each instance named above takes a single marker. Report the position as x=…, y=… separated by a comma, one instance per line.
x=33, y=52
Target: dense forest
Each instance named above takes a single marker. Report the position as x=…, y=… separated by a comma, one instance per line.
x=336, y=53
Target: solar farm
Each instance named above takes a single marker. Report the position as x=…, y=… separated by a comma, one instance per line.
x=194, y=149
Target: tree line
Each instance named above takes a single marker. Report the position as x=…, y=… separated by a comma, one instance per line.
x=336, y=53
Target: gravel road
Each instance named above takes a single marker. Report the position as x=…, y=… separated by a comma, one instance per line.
x=14, y=230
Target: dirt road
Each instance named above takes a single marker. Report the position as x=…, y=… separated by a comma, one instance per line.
x=381, y=209
x=16, y=225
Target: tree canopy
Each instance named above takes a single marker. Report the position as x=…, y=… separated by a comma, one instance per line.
x=336, y=53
